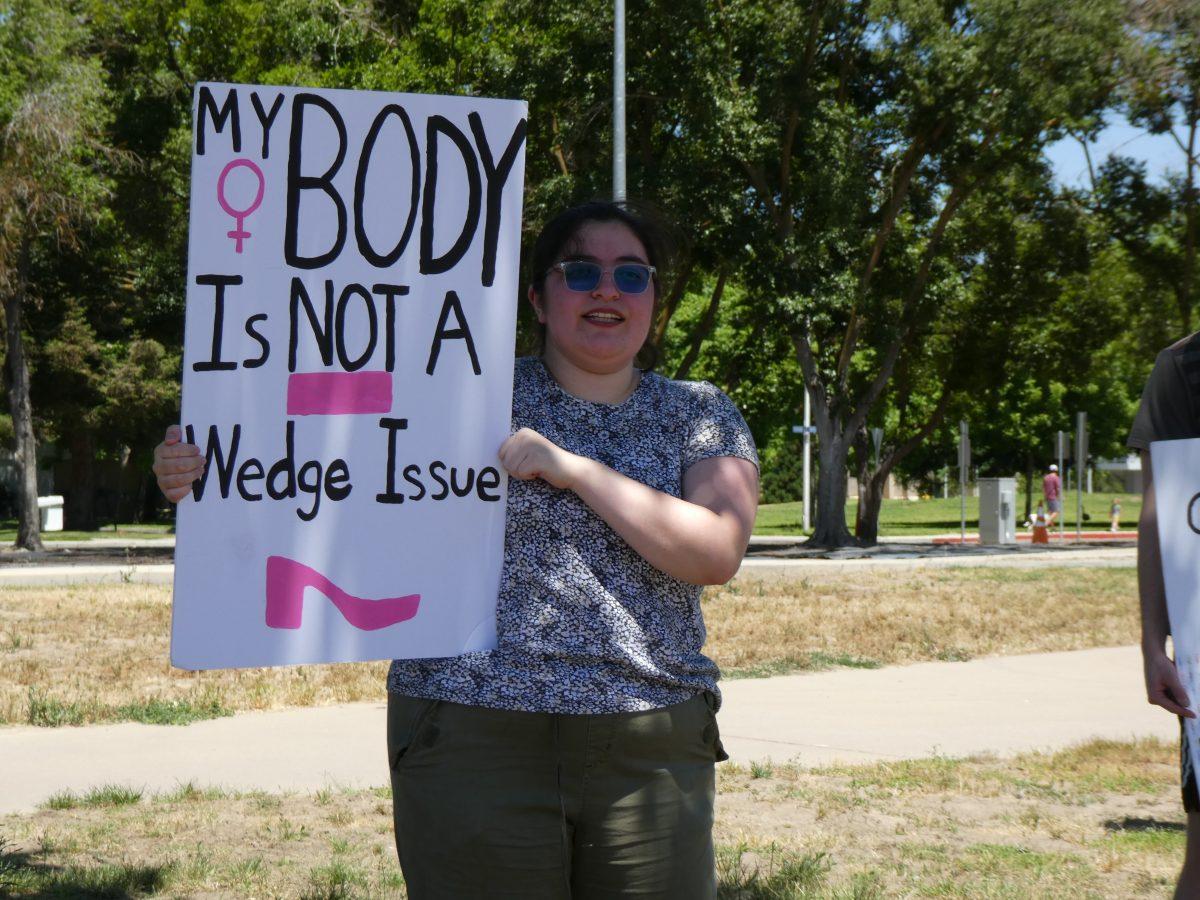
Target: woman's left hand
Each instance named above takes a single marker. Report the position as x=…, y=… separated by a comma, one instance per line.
x=528, y=455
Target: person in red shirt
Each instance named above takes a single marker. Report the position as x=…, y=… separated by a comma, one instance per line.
x=1052, y=491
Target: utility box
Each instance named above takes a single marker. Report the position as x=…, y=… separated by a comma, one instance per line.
x=51, y=510
x=997, y=510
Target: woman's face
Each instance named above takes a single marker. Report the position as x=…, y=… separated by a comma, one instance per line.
x=600, y=330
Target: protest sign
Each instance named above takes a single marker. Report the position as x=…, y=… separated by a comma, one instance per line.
x=348, y=362
x=1177, y=502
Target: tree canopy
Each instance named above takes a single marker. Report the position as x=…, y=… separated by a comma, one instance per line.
x=862, y=201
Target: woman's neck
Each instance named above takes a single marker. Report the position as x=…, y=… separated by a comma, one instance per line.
x=595, y=387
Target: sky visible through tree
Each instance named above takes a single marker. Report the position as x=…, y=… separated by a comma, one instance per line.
x=1159, y=152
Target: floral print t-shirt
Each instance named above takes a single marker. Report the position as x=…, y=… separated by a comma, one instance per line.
x=584, y=624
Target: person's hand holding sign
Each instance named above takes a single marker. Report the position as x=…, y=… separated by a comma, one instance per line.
x=177, y=465
x=1163, y=685
x=528, y=455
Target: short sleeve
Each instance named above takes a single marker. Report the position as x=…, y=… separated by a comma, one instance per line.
x=1165, y=412
x=716, y=428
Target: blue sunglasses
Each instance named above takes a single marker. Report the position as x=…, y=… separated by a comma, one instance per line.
x=630, y=278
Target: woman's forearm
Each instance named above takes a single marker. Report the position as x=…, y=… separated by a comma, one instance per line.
x=1152, y=593
x=686, y=540
x=699, y=539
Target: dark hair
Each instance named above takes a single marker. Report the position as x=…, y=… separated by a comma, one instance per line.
x=555, y=241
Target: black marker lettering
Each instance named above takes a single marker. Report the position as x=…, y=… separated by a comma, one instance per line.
x=465, y=489
x=349, y=291
x=307, y=487
x=493, y=482
x=451, y=304
x=218, y=283
x=433, y=473
x=206, y=108
x=382, y=260
x=212, y=451
x=266, y=119
x=285, y=466
x=262, y=342
x=337, y=480
x=296, y=182
x=411, y=474
x=497, y=176
x=323, y=332
x=429, y=264
x=390, y=292
x=392, y=426
x=251, y=470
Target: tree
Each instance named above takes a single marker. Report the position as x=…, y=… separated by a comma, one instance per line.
x=52, y=118
x=858, y=133
x=1161, y=91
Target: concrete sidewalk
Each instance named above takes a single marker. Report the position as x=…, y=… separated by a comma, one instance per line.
x=46, y=575
x=1001, y=705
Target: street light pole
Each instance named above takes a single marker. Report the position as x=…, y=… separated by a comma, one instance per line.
x=618, y=100
x=964, y=469
x=807, y=459
x=1080, y=463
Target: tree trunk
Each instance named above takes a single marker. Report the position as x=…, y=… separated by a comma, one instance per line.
x=25, y=445
x=703, y=329
x=829, y=527
x=1028, y=486
x=870, y=500
x=147, y=499
x=81, y=500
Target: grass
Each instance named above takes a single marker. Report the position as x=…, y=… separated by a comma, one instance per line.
x=757, y=628
x=106, y=795
x=51, y=712
x=8, y=531
x=1098, y=820
x=899, y=518
x=120, y=668
x=772, y=626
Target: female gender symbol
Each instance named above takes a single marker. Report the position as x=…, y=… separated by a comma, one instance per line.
x=239, y=234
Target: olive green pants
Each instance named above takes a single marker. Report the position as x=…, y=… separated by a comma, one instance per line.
x=494, y=803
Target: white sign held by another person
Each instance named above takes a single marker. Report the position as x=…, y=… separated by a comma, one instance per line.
x=348, y=363
x=1177, y=501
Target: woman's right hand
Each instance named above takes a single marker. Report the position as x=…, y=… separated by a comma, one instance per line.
x=177, y=465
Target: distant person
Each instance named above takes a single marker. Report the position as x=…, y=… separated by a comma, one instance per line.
x=1170, y=410
x=1114, y=515
x=1052, y=491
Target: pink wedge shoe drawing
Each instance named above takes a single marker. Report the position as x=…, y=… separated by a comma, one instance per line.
x=287, y=579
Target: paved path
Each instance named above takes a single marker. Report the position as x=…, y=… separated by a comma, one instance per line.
x=1091, y=558
x=1002, y=705
x=753, y=567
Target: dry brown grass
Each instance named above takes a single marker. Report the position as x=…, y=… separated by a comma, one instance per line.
x=92, y=649
x=1100, y=820
x=909, y=615
x=90, y=653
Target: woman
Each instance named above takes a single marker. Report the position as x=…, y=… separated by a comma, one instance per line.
x=577, y=758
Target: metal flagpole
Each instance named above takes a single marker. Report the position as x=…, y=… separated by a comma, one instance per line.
x=618, y=100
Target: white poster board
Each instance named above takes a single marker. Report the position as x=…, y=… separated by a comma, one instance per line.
x=348, y=363
x=1177, y=502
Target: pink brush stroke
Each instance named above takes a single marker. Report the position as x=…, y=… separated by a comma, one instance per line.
x=287, y=579
x=339, y=393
